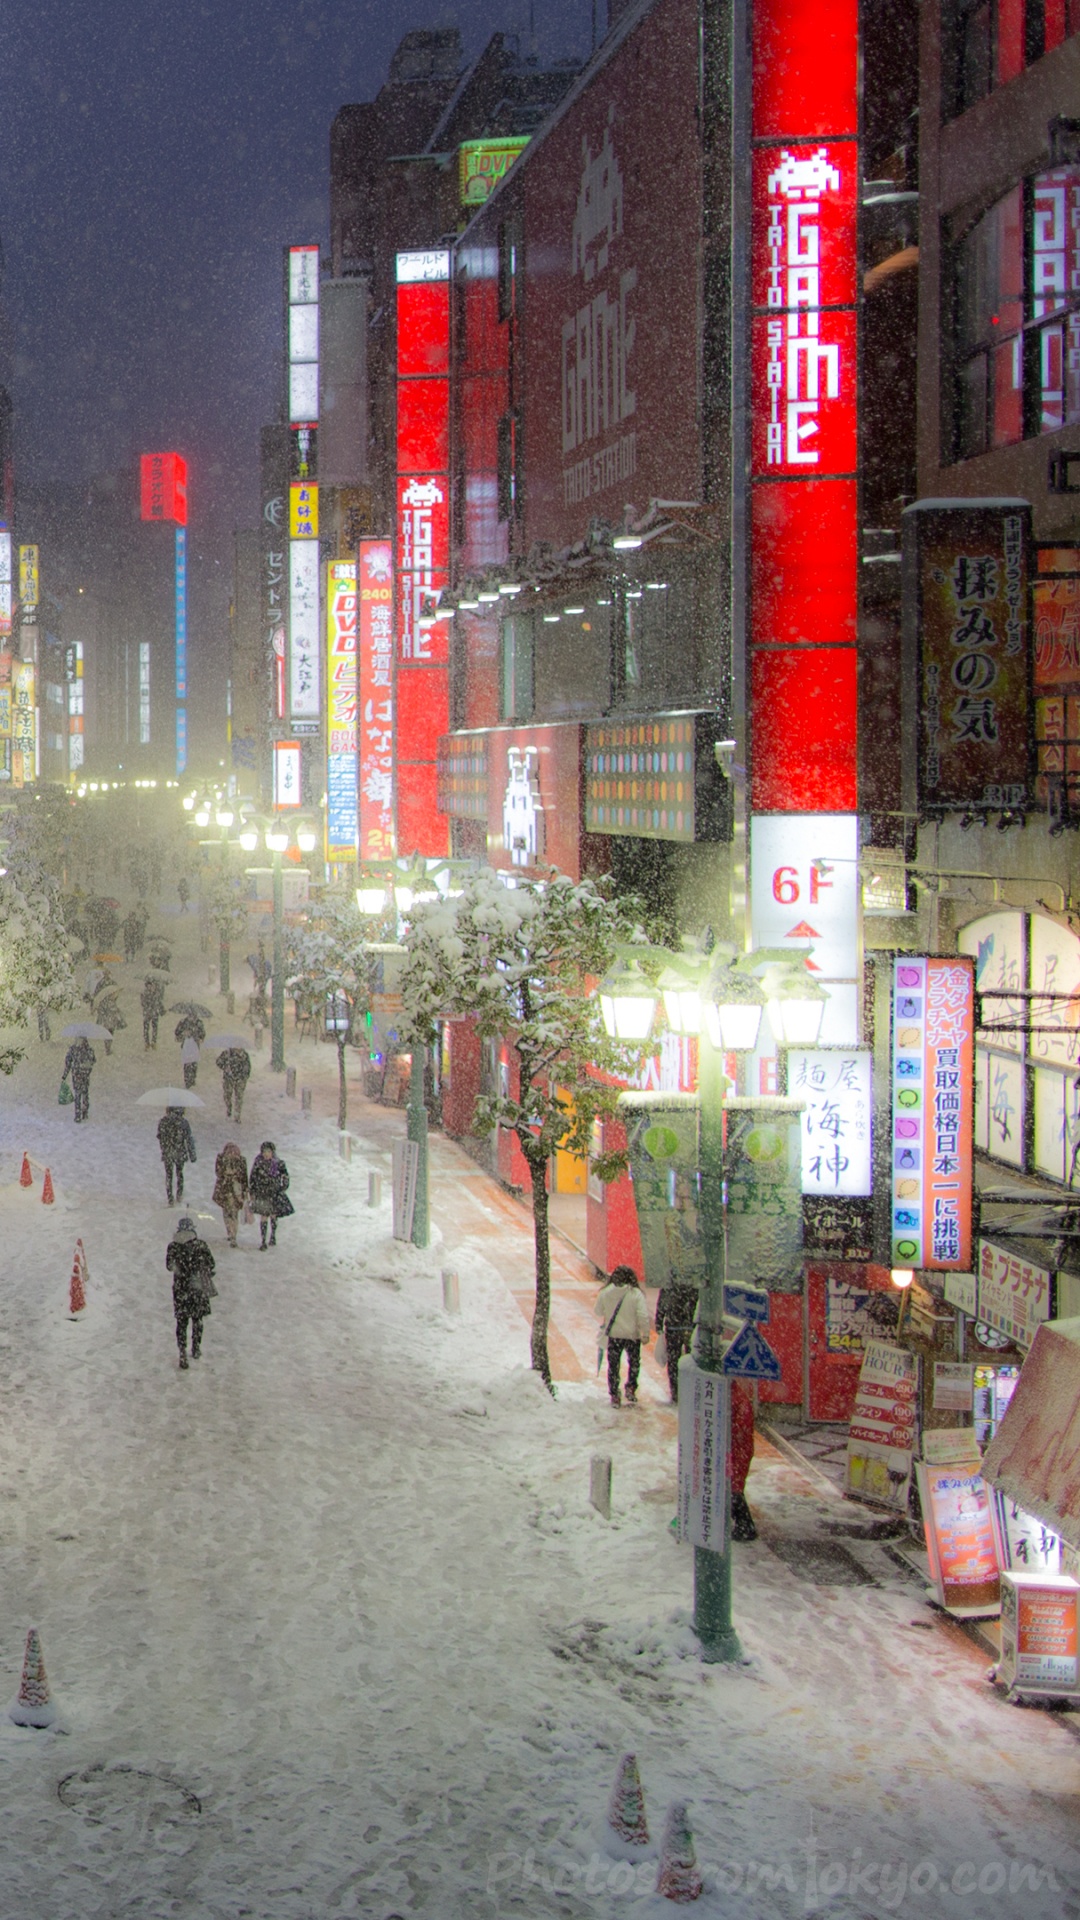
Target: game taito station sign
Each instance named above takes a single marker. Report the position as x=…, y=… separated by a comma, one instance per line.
x=932, y=1098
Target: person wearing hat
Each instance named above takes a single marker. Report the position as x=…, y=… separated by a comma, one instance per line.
x=191, y=1264
x=268, y=1184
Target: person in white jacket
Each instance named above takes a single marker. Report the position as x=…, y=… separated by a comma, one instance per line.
x=623, y=1313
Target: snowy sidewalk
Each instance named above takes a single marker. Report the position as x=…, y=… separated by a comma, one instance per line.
x=333, y=1628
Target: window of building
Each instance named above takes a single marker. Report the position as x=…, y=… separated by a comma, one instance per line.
x=516, y=663
x=1027, y=1103
x=1017, y=316
x=989, y=42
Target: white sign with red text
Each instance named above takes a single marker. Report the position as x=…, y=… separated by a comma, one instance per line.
x=804, y=893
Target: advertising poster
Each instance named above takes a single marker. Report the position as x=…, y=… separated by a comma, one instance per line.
x=967, y=628
x=960, y=1542
x=704, y=1441
x=882, y=1432
x=5, y=582
x=954, y=1386
x=1014, y=1295
x=341, y=697
x=375, y=668
x=23, y=717
x=763, y=1165
x=304, y=629
x=932, y=1101
x=1039, y=1631
x=663, y=1140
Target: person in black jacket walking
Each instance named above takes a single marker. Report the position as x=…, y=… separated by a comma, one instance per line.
x=78, y=1067
x=177, y=1143
x=191, y=1264
x=268, y=1184
x=675, y=1311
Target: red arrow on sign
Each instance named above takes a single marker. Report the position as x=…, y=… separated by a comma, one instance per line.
x=804, y=931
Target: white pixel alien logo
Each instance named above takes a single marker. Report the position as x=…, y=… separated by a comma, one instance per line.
x=523, y=810
x=599, y=206
x=422, y=493
x=807, y=178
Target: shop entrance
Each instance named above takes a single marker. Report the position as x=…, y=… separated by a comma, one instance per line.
x=845, y=1306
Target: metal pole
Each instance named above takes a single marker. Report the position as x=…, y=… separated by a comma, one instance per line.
x=417, y=1129
x=712, y=1571
x=224, y=980
x=277, y=985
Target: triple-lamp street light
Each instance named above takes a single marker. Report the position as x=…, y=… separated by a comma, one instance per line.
x=275, y=835
x=717, y=998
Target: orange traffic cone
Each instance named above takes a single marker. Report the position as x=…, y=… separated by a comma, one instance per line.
x=626, y=1808
x=26, y=1178
x=80, y=1255
x=678, y=1878
x=33, y=1704
x=47, y=1194
x=78, y=1291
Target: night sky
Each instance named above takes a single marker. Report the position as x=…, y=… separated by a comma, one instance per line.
x=154, y=160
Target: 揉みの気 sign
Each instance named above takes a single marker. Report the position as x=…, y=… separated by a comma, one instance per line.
x=967, y=643
x=932, y=1096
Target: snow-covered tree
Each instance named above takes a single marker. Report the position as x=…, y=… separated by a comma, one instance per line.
x=520, y=962
x=36, y=953
x=328, y=958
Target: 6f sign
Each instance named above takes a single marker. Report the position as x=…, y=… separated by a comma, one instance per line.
x=804, y=888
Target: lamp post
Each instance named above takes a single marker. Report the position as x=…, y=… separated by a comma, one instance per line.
x=224, y=818
x=718, y=999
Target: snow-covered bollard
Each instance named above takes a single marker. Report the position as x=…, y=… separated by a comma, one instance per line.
x=345, y=1145
x=678, y=1878
x=33, y=1704
x=374, y=1189
x=305, y=1099
x=600, y=1487
x=626, y=1808
x=290, y=1083
x=451, y=1291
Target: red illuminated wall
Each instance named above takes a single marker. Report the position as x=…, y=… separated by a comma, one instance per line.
x=804, y=406
x=422, y=547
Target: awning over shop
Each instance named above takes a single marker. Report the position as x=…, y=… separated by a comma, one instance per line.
x=1035, y=1455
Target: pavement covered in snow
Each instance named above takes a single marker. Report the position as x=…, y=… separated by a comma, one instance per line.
x=333, y=1629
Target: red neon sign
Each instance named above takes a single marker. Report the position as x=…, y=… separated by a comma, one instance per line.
x=375, y=667
x=163, y=487
x=421, y=694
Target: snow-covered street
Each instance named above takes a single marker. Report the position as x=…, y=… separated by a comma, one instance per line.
x=333, y=1629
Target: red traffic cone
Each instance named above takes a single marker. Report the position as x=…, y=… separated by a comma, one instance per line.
x=678, y=1878
x=33, y=1705
x=47, y=1194
x=80, y=1255
x=626, y=1808
x=78, y=1291
x=26, y=1178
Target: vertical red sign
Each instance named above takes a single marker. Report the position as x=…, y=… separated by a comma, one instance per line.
x=375, y=668
x=804, y=405
x=422, y=539
x=163, y=487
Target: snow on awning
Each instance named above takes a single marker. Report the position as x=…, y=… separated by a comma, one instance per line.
x=1035, y=1455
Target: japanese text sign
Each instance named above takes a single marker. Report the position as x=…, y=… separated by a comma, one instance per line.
x=968, y=654
x=836, y=1138
x=1014, y=1295
x=163, y=487
x=932, y=1111
x=376, y=699
x=304, y=629
x=341, y=697
x=704, y=1438
x=287, y=783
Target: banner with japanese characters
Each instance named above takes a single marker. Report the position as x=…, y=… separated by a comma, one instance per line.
x=932, y=1112
x=341, y=692
x=967, y=639
x=836, y=1137
x=375, y=709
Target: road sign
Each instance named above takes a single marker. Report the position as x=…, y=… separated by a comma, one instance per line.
x=751, y=1357
x=746, y=1303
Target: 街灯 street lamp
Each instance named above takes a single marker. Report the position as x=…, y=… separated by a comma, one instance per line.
x=715, y=997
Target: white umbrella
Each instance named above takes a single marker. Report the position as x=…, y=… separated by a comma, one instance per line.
x=85, y=1030
x=169, y=1097
x=242, y=1040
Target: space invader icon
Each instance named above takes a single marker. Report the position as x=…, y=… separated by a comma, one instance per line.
x=808, y=177
x=523, y=810
x=599, y=214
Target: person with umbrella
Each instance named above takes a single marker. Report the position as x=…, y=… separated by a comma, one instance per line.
x=177, y=1143
x=189, y=1026
x=268, y=1184
x=189, y=1057
x=235, y=1067
x=191, y=1264
x=152, y=1000
x=230, y=1187
x=79, y=1064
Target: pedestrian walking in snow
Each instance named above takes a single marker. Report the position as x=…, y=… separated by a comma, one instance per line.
x=189, y=1057
x=623, y=1311
x=43, y=1027
x=152, y=1001
x=191, y=1264
x=230, y=1187
x=675, y=1311
x=107, y=1013
x=184, y=891
x=235, y=1065
x=260, y=968
x=190, y=1027
x=78, y=1066
x=177, y=1143
x=268, y=1184
x=131, y=929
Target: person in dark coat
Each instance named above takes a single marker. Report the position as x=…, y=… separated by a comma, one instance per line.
x=177, y=1143
x=235, y=1065
x=675, y=1310
x=191, y=1264
x=184, y=891
x=190, y=1027
x=189, y=1060
x=152, y=1001
x=230, y=1187
x=268, y=1184
x=78, y=1066
x=131, y=929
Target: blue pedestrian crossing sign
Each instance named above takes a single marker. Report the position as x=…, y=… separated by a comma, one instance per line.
x=750, y=1356
x=746, y=1303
